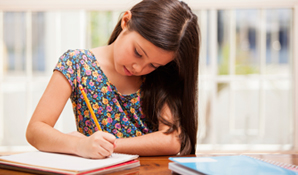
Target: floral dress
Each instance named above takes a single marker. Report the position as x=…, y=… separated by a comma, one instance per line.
x=117, y=114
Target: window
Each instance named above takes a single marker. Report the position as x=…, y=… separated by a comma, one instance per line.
x=247, y=68
x=246, y=83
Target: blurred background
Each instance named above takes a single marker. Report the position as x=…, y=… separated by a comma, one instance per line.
x=247, y=68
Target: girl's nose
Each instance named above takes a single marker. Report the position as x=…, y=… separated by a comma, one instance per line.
x=137, y=68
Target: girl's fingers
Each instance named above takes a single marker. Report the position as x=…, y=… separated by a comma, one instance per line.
x=102, y=152
x=115, y=144
x=108, y=146
x=106, y=140
x=103, y=144
x=109, y=137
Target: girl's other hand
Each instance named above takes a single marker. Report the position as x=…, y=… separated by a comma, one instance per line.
x=97, y=146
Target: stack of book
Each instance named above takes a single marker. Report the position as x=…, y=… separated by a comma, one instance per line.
x=55, y=163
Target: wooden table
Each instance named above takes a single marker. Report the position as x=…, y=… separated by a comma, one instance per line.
x=159, y=165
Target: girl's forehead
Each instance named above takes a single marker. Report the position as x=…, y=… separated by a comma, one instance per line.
x=153, y=52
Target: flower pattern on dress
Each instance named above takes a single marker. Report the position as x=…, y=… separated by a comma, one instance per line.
x=120, y=115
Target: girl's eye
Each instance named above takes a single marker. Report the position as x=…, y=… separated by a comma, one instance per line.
x=137, y=53
x=153, y=66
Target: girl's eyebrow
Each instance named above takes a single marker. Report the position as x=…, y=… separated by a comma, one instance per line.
x=142, y=50
x=147, y=55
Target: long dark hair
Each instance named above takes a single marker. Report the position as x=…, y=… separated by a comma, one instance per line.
x=172, y=26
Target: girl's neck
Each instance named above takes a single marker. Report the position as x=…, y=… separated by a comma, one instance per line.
x=104, y=55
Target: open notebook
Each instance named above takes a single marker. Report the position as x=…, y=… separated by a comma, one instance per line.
x=51, y=163
x=228, y=165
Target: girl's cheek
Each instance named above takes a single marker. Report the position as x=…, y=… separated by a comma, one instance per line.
x=147, y=71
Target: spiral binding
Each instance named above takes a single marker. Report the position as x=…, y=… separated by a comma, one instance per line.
x=280, y=164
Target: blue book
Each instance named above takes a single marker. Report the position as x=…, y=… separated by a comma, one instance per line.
x=228, y=165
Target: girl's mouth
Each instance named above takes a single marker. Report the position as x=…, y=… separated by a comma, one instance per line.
x=127, y=72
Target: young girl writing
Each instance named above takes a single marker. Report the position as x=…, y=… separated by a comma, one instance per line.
x=142, y=88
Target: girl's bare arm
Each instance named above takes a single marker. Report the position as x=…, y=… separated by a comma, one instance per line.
x=156, y=143
x=42, y=134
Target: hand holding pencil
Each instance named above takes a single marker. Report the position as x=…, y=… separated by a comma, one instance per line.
x=105, y=140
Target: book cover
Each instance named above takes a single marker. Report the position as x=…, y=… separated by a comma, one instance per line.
x=227, y=165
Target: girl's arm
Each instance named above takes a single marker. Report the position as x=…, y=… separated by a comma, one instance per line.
x=42, y=134
x=156, y=143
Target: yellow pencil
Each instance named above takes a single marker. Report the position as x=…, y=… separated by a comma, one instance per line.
x=90, y=108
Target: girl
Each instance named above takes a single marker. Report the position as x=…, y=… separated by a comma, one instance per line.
x=142, y=87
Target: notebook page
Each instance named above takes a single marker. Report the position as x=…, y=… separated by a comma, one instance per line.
x=66, y=162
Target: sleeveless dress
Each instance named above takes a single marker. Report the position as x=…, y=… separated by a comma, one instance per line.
x=120, y=115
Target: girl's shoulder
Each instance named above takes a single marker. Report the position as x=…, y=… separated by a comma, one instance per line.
x=79, y=57
x=72, y=54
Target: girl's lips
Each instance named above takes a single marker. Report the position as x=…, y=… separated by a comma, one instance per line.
x=127, y=71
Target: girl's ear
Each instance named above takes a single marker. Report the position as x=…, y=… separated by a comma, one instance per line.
x=125, y=19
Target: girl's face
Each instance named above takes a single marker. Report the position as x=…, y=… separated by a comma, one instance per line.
x=136, y=56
